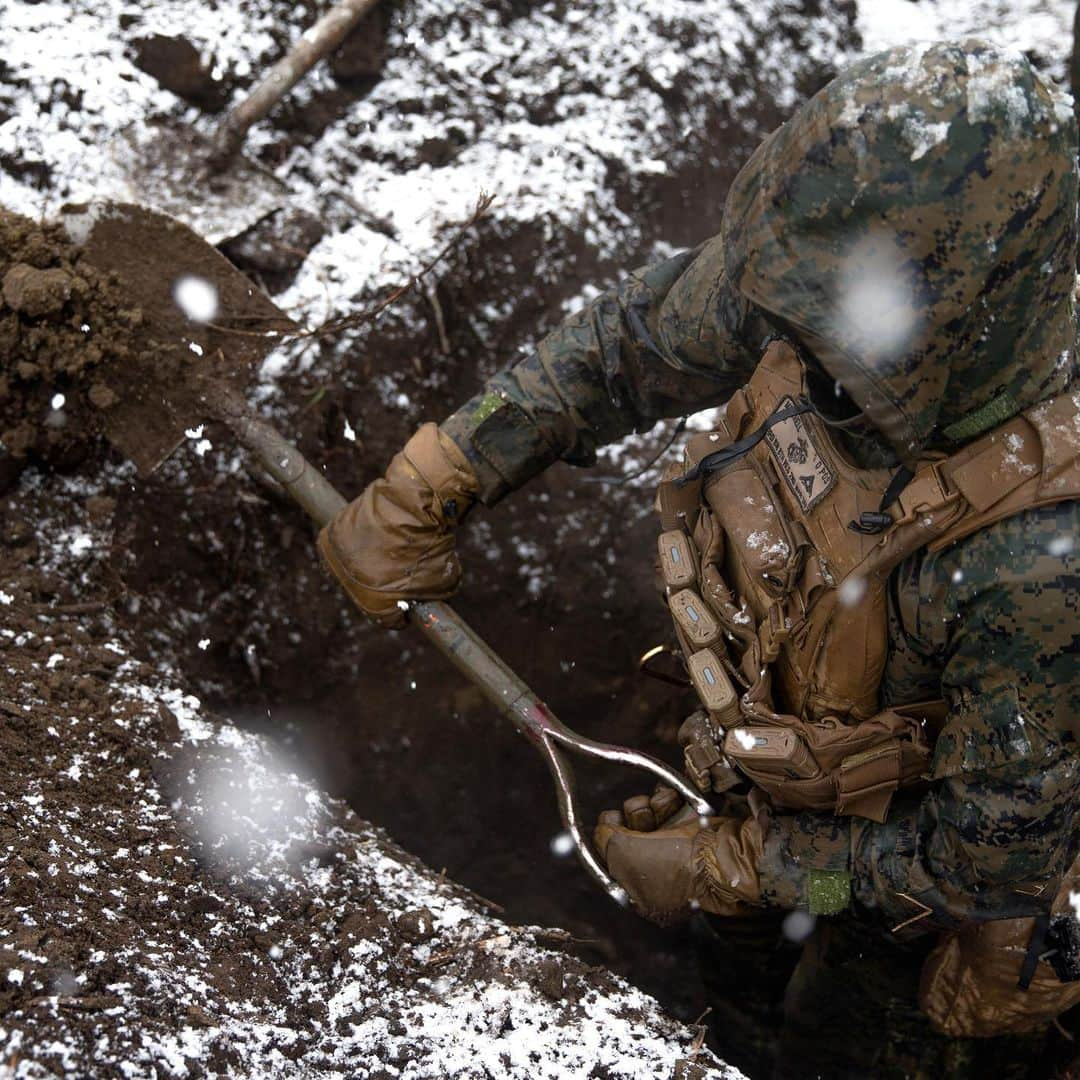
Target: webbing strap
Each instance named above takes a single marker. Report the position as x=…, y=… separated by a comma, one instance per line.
x=900, y=480
x=720, y=458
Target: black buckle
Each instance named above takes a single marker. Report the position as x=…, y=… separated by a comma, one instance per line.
x=871, y=522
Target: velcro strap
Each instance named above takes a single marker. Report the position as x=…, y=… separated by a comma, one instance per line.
x=828, y=892
x=773, y=632
x=678, y=506
x=995, y=411
x=865, y=781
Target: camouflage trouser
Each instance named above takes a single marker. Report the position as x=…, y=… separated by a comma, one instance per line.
x=844, y=1007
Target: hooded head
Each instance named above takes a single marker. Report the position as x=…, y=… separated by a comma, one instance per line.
x=914, y=227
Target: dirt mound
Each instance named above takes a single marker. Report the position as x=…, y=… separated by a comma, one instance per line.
x=611, y=131
x=179, y=902
x=60, y=321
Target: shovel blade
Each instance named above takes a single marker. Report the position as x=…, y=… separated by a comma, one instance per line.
x=200, y=317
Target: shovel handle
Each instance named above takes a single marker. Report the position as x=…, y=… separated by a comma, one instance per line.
x=456, y=640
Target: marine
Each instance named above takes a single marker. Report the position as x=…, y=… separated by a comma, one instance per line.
x=908, y=239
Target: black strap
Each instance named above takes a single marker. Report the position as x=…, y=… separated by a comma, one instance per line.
x=873, y=522
x=900, y=480
x=1035, y=949
x=720, y=458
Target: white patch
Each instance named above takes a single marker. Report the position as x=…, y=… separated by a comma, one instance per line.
x=852, y=590
x=1061, y=545
x=744, y=738
x=562, y=844
x=875, y=312
x=196, y=298
x=798, y=925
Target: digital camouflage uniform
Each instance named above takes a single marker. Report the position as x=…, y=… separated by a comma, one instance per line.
x=945, y=174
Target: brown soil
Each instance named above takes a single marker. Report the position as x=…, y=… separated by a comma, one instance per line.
x=558, y=577
x=61, y=322
x=141, y=924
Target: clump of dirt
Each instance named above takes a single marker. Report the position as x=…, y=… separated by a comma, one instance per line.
x=60, y=321
x=177, y=66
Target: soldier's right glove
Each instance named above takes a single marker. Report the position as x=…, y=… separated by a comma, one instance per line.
x=396, y=541
x=668, y=870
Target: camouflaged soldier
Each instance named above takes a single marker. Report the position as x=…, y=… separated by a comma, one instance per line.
x=912, y=234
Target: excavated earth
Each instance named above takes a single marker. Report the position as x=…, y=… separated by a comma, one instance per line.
x=122, y=595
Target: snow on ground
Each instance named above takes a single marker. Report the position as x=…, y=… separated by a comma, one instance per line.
x=179, y=902
x=556, y=113
x=1042, y=28
x=557, y=117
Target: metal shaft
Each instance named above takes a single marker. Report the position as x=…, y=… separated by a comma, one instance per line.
x=454, y=638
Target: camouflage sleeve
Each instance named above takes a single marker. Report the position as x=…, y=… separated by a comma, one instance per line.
x=673, y=337
x=997, y=615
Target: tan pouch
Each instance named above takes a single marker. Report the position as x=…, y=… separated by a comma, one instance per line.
x=859, y=767
x=970, y=982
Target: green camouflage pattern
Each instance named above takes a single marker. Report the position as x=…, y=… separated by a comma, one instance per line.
x=992, y=624
x=663, y=343
x=905, y=225
x=945, y=177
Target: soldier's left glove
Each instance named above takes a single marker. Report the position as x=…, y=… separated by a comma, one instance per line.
x=670, y=870
x=396, y=541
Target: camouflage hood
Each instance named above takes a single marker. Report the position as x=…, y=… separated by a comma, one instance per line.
x=914, y=225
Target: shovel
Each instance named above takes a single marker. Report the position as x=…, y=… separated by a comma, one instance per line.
x=187, y=371
x=164, y=166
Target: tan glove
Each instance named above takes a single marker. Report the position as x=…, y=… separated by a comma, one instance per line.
x=396, y=541
x=668, y=871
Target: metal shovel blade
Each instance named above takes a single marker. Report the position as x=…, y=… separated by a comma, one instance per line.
x=199, y=316
x=164, y=167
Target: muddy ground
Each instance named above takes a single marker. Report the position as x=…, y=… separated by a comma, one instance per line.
x=209, y=571
x=178, y=903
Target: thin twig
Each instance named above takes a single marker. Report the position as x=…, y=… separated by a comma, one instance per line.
x=702, y=1030
x=333, y=326
x=440, y=322
x=87, y=607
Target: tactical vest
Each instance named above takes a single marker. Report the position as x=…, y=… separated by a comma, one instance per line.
x=775, y=554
